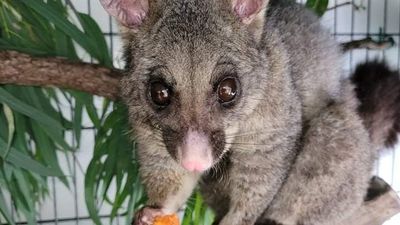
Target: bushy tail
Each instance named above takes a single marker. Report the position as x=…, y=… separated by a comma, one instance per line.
x=378, y=89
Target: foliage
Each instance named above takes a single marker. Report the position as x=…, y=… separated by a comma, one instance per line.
x=34, y=122
x=318, y=6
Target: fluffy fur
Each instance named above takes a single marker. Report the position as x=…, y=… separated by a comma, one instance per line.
x=292, y=149
x=378, y=89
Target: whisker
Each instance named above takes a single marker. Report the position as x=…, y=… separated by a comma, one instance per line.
x=246, y=144
x=254, y=132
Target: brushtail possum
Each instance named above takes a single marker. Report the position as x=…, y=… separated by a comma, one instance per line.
x=246, y=99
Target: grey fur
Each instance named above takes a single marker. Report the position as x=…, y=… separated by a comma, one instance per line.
x=294, y=149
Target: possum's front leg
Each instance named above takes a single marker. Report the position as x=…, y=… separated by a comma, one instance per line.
x=168, y=186
x=254, y=180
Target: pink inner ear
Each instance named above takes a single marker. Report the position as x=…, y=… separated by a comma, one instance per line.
x=247, y=8
x=130, y=13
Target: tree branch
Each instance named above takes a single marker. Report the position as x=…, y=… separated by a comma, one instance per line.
x=22, y=69
x=356, y=7
x=368, y=43
x=381, y=203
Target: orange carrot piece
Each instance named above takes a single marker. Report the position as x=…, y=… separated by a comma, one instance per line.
x=167, y=220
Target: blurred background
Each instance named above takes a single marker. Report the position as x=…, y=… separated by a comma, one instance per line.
x=82, y=199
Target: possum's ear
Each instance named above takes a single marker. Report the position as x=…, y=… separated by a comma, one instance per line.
x=130, y=13
x=250, y=11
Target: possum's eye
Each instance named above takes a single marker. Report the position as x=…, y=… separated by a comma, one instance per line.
x=160, y=93
x=227, y=90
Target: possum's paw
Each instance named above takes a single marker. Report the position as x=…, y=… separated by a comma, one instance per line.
x=146, y=216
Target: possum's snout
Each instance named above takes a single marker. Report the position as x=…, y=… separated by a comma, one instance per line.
x=196, y=152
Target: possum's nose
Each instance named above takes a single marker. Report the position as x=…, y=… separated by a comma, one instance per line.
x=196, y=152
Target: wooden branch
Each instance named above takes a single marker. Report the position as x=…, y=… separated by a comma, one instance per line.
x=381, y=203
x=368, y=43
x=22, y=69
x=356, y=6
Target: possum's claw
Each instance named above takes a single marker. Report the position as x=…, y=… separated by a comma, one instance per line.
x=146, y=216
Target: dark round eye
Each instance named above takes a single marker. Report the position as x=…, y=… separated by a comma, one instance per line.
x=227, y=90
x=160, y=93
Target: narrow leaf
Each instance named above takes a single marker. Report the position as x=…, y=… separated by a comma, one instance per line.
x=64, y=25
x=4, y=209
x=11, y=126
x=318, y=6
x=21, y=160
x=27, y=110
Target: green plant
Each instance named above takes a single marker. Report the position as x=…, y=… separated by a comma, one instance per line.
x=318, y=6
x=33, y=126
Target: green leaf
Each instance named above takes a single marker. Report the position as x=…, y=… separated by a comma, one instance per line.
x=64, y=25
x=4, y=210
x=188, y=215
x=47, y=150
x=130, y=209
x=77, y=120
x=24, y=189
x=51, y=126
x=22, y=160
x=7, y=46
x=11, y=126
x=318, y=6
x=109, y=170
x=64, y=45
x=94, y=33
x=87, y=101
x=38, y=29
x=27, y=110
x=197, y=209
x=90, y=181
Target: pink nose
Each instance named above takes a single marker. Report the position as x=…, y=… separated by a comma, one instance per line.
x=196, y=152
x=194, y=166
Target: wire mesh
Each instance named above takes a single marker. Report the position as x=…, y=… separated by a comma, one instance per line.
x=346, y=22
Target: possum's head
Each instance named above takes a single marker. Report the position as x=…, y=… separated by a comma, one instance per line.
x=193, y=72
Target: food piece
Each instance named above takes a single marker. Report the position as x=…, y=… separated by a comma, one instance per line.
x=166, y=220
